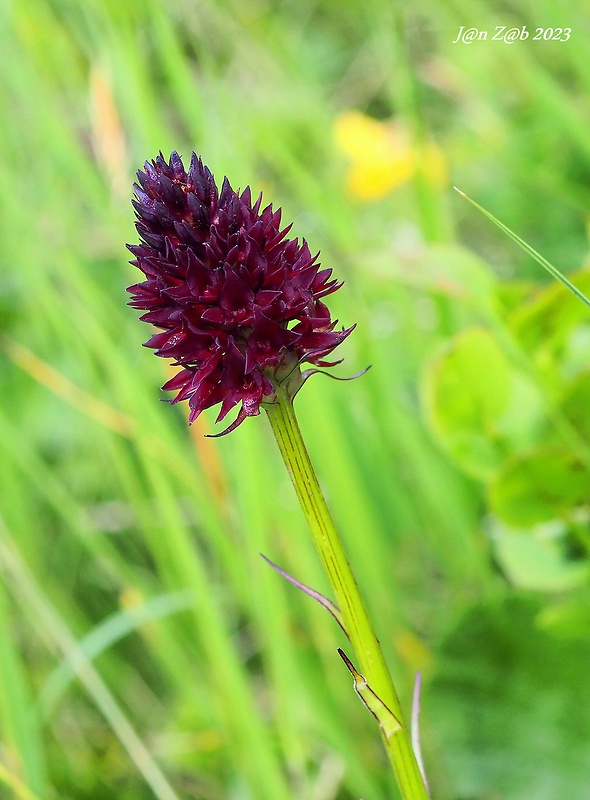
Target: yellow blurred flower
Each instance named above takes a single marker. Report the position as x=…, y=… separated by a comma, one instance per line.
x=383, y=155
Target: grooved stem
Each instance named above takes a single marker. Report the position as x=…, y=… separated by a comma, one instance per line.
x=355, y=617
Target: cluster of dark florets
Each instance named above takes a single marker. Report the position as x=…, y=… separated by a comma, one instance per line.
x=239, y=305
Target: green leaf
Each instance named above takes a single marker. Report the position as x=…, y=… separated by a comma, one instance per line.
x=568, y=618
x=540, y=485
x=576, y=403
x=477, y=405
x=509, y=705
x=537, y=561
x=547, y=318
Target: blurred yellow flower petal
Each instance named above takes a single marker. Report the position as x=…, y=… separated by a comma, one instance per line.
x=370, y=181
x=382, y=155
x=365, y=138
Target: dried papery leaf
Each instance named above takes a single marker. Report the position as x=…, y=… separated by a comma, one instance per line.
x=387, y=720
x=319, y=598
x=415, y=728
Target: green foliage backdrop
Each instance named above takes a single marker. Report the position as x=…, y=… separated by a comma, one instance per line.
x=146, y=650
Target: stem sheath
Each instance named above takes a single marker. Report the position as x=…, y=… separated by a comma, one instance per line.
x=368, y=652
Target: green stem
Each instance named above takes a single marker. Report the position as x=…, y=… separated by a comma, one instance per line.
x=355, y=617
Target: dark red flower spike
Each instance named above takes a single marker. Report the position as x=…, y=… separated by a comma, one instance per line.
x=238, y=304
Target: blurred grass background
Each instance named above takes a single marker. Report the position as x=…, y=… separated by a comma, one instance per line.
x=146, y=650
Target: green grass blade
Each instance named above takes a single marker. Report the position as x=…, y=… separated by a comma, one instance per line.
x=42, y=610
x=105, y=635
x=553, y=271
x=19, y=727
x=20, y=790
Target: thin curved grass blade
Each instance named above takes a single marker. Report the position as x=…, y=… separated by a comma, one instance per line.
x=553, y=271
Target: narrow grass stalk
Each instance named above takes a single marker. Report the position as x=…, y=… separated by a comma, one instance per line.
x=45, y=615
x=354, y=614
x=553, y=271
x=20, y=790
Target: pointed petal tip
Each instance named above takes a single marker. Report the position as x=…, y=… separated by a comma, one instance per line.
x=236, y=423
